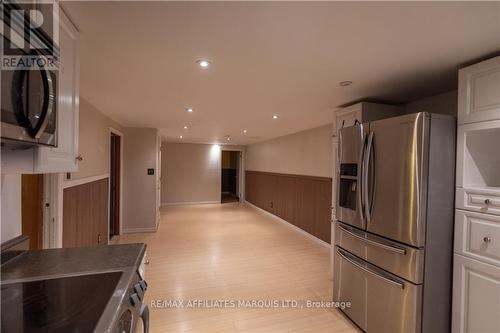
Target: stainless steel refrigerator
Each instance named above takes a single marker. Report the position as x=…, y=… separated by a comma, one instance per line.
x=394, y=229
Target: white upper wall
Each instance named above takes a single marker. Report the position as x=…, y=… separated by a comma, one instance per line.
x=140, y=152
x=304, y=153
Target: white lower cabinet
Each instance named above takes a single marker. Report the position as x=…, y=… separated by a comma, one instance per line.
x=476, y=296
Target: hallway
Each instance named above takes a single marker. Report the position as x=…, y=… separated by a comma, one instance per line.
x=235, y=252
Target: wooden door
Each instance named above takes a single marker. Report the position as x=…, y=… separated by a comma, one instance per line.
x=85, y=214
x=32, y=209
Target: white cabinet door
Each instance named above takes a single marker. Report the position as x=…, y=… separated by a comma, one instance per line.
x=63, y=157
x=476, y=296
x=479, y=92
x=348, y=116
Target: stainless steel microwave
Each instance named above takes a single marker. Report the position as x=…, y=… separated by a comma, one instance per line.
x=29, y=97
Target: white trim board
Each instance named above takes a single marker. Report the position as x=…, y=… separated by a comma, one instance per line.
x=291, y=226
x=85, y=180
x=138, y=230
x=190, y=203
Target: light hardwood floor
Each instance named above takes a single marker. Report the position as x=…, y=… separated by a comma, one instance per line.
x=235, y=252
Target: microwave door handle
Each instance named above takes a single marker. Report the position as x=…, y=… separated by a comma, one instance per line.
x=18, y=99
x=48, y=102
x=366, y=197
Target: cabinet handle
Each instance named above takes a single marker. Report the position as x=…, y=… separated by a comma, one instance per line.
x=487, y=239
x=98, y=238
x=79, y=158
x=487, y=201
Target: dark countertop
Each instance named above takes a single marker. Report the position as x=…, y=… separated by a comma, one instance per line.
x=44, y=263
x=54, y=263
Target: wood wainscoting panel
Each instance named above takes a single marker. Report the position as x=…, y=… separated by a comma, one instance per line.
x=303, y=201
x=85, y=214
x=305, y=204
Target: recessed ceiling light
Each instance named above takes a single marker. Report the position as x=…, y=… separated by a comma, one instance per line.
x=203, y=63
x=275, y=117
x=345, y=83
x=228, y=137
x=180, y=136
x=244, y=131
x=189, y=110
x=185, y=127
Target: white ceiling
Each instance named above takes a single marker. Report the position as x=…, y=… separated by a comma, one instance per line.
x=287, y=58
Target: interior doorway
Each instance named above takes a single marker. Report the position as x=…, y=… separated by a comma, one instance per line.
x=32, y=206
x=230, y=176
x=114, y=183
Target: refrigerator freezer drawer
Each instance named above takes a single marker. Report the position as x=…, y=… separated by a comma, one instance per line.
x=401, y=260
x=380, y=302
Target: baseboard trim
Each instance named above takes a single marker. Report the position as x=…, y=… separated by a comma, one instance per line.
x=190, y=203
x=138, y=230
x=291, y=226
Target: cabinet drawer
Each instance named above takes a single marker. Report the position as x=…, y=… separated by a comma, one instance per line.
x=478, y=236
x=479, y=200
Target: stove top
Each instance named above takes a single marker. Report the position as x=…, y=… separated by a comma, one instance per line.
x=63, y=305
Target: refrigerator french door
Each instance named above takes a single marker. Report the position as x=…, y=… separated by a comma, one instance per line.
x=393, y=237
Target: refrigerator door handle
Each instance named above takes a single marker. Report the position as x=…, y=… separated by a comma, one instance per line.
x=364, y=182
x=366, y=239
x=361, y=172
x=354, y=262
x=339, y=152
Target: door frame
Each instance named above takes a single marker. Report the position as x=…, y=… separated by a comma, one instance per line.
x=53, y=214
x=120, y=220
x=241, y=171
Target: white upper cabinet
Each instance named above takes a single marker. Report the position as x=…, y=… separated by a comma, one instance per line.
x=479, y=92
x=63, y=158
x=362, y=112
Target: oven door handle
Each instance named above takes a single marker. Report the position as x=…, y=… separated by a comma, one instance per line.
x=378, y=275
x=144, y=314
